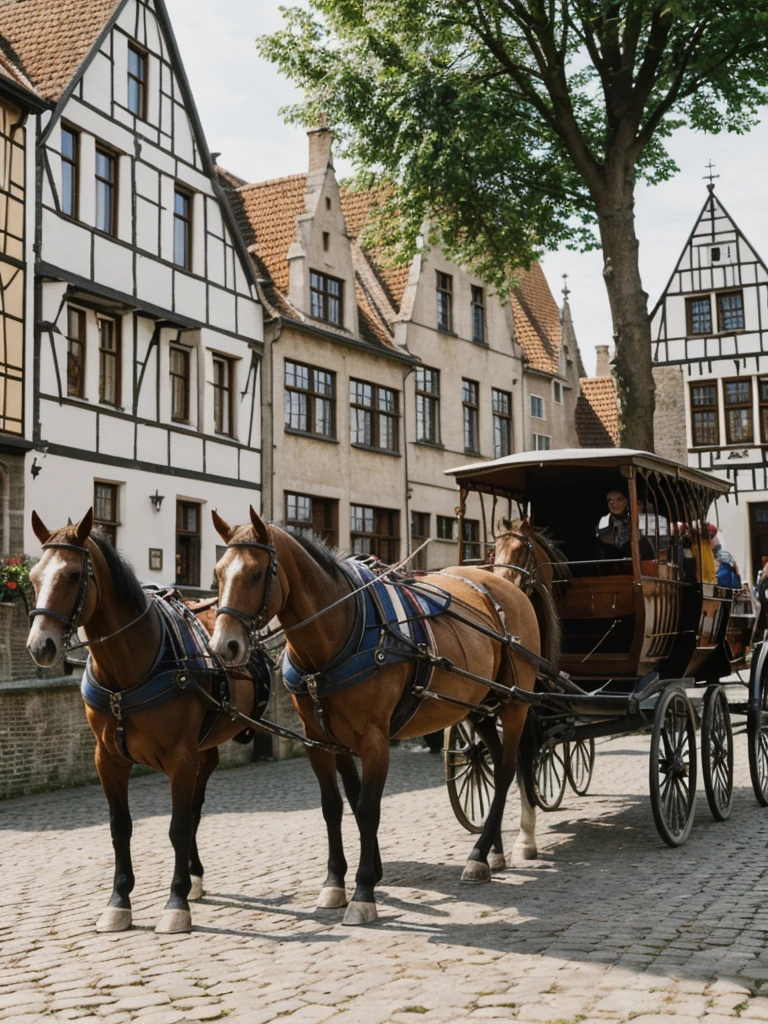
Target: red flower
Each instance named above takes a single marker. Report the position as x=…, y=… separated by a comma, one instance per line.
x=14, y=561
x=11, y=585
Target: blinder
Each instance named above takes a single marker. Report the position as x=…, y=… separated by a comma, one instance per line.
x=254, y=624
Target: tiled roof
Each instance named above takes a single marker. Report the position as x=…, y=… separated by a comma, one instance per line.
x=266, y=213
x=597, y=413
x=537, y=320
x=357, y=206
x=48, y=40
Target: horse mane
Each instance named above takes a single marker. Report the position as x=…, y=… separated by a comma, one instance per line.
x=124, y=579
x=327, y=558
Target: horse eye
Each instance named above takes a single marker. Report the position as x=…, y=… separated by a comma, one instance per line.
x=74, y=576
x=257, y=575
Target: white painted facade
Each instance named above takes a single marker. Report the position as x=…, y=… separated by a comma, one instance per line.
x=131, y=276
x=712, y=323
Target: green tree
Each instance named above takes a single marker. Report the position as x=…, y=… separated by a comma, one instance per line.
x=516, y=126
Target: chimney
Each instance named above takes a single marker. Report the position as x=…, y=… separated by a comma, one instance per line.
x=320, y=143
x=603, y=361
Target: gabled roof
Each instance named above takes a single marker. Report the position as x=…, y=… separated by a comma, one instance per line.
x=537, y=320
x=358, y=206
x=46, y=41
x=597, y=413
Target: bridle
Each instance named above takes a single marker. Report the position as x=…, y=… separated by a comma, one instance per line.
x=253, y=624
x=528, y=545
x=70, y=622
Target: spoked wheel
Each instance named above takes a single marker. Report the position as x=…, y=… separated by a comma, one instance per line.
x=468, y=775
x=579, y=763
x=757, y=723
x=549, y=776
x=717, y=752
x=672, y=769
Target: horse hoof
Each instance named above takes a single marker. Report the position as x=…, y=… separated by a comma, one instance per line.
x=115, y=919
x=476, y=871
x=527, y=852
x=360, y=913
x=497, y=861
x=331, y=897
x=173, y=922
x=196, y=891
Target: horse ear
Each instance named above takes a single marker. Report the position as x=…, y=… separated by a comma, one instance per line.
x=223, y=529
x=39, y=528
x=261, y=528
x=506, y=523
x=84, y=527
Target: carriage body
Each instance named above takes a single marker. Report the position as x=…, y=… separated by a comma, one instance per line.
x=646, y=636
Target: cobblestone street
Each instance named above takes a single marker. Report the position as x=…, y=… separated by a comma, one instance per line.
x=609, y=925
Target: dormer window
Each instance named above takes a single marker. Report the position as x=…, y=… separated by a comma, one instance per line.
x=325, y=298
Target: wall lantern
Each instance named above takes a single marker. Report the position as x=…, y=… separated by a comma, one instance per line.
x=157, y=500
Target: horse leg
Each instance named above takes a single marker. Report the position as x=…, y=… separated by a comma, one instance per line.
x=362, y=907
x=333, y=893
x=477, y=868
x=182, y=775
x=486, y=730
x=525, y=843
x=205, y=766
x=351, y=780
x=114, y=776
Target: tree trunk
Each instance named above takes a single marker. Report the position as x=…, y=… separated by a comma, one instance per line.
x=629, y=313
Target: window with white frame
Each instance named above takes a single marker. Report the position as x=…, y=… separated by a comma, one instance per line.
x=537, y=407
x=557, y=392
x=542, y=442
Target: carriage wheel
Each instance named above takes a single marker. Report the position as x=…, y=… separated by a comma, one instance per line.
x=580, y=761
x=672, y=769
x=717, y=752
x=468, y=775
x=757, y=724
x=549, y=776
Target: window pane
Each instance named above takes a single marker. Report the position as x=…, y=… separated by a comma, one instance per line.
x=361, y=426
x=180, y=242
x=700, y=315
x=705, y=395
x=739, y=425
x=737, y=392
x=731, y=312
x=134, y=96
x=704, y=428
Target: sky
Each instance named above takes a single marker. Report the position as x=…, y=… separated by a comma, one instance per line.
x=238, y=95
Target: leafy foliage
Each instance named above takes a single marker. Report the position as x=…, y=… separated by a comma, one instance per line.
x=14, y=577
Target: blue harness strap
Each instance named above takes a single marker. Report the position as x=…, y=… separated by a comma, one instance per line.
x=389, y=627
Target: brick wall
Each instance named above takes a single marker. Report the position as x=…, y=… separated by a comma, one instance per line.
x=669, y=417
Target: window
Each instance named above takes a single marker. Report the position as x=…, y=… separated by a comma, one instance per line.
x=537, y=407
x=326, y=240
x=70, y=151
x=699, y=315
x=557, y=392
x=501, y=407
x=106, y=191
x=419, y=533
x=541, y=442
x=187, y=544
x=109, y=361
x=478, y=315
x=444, y=301
x=75, y=352
x=447, y=528
x=325, y=294
x=704, y=425
x=470, y=534
x=223, y=372
x=182, y=229
x=180, y=384
x=737, y=399
x=375, y=531
x=137, y=81
x=373, y=416
x=105, y=510
x=763, y=393
x=730, y=311
x=310, y=405
x=470, y=409
x=307, y=516
x=427, y=405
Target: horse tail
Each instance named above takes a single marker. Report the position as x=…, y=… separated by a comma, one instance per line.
x=549, y=622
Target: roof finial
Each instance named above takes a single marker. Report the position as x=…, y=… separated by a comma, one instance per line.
x=566, y=289
x=710, y=166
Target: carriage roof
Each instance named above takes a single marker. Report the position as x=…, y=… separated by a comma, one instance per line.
x=515, y=475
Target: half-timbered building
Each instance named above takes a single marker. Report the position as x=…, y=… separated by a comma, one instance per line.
x=710, y=349
x=142, y=365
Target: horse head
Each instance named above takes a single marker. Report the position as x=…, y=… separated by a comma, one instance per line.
x=514, y=547
x=248, y=595
x=63, y=598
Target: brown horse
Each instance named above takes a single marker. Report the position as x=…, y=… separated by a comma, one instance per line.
x=522, y=552
x=81, y=581
x=267, y=572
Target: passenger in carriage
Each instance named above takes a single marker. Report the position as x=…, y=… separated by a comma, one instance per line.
x=614, y=530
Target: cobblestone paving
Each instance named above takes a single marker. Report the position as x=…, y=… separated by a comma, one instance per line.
x=609, y=925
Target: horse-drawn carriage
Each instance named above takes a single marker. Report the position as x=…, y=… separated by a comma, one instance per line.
x=647, y=638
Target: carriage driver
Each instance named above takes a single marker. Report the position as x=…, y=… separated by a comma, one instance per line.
x=614, y=529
